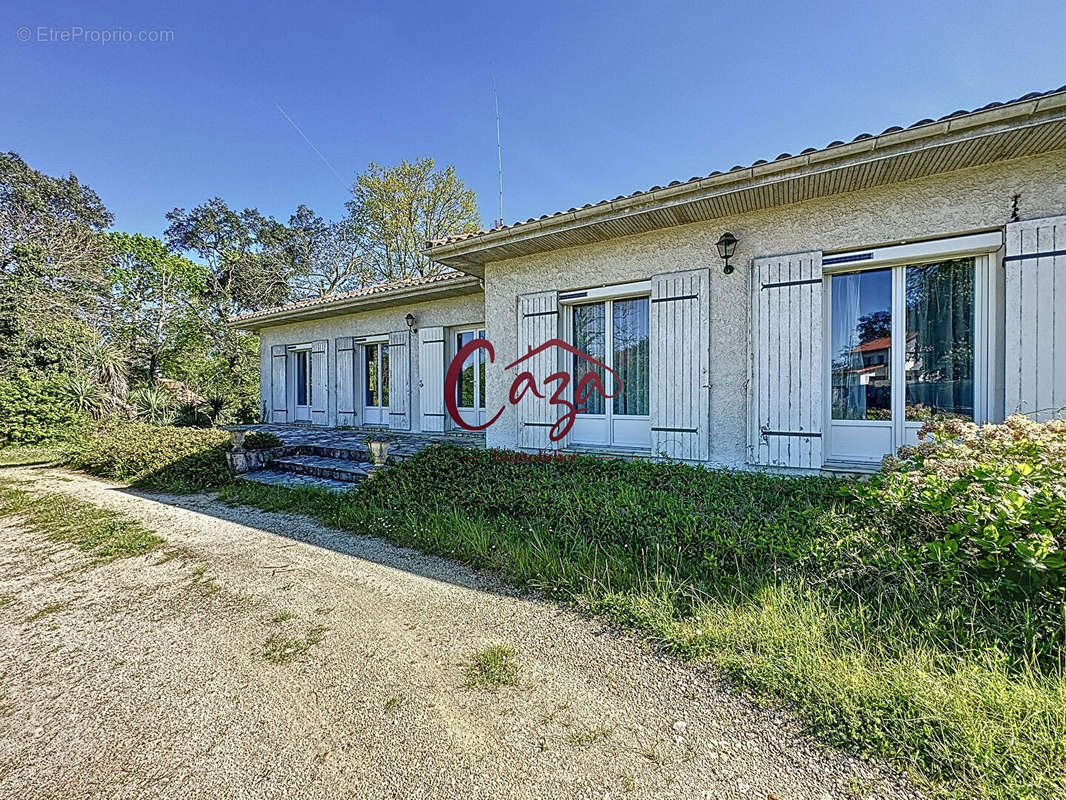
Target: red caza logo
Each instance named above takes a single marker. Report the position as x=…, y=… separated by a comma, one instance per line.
x=525, y=382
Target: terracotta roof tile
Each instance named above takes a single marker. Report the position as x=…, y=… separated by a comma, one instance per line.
x=366, y=291
x=836, y=143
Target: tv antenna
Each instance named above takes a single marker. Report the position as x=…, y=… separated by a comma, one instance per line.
x=499, y=151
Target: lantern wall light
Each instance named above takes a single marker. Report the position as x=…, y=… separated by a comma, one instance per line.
x=727, y=245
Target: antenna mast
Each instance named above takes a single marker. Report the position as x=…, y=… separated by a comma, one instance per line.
x=499, y=151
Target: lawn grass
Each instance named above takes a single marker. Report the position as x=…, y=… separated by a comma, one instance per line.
x=104, y=534
x=26, y=455
x=779, y=582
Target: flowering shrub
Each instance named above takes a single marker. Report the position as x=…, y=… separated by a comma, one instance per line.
x=987, y=505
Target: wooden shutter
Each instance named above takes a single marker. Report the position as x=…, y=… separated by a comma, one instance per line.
x=345, y=384
x=431, y=377
x=786, y=388
x=279, y=390
x=1035, y=264
x=320, y=382
x=679, y=368
x=538, y=321
x=400, y=380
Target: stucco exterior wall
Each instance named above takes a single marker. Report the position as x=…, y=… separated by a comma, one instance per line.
x=954, y=203
x=458, y=311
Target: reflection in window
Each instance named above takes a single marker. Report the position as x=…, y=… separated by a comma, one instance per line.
x=464, y=387
x=371, y=374
x=376, y=375
x=303, y=382
x=629, y=331
x=384, y=376
x=940, y=340
x=861, y=345
x=481, y=372
x=589, y=337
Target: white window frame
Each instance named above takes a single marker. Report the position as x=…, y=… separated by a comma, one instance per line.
x=473, y=415
x=624, y=430
x=987, y=251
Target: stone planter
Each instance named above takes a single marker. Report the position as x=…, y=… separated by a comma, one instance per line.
x=379, y=452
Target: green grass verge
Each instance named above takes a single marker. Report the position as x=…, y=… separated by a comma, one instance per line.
x=779, y=582
x=104, y=534
x=26, y=455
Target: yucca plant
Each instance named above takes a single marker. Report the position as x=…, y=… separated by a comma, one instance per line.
x=105, y=364
x=215, y=407
x=84, y=394
x=154, y=405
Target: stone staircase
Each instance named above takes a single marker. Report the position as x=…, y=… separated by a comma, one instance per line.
x=309, y=465
x=328, y=458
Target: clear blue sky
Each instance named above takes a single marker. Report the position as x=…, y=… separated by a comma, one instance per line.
x=597, y=99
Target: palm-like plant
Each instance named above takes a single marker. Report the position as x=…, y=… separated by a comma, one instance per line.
x=84, y=394
x=216, y=406
x=106, y=364
x=154, y=405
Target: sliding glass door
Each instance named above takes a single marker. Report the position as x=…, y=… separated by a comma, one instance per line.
x=901, y=350
x=614, y=332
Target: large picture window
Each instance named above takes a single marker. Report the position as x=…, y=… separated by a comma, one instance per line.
x=902, y=351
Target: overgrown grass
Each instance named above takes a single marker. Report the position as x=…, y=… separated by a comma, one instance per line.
x=492, y=668
x=785, y=584
x=104, y=534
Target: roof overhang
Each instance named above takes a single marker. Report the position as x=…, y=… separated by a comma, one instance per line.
x=463, y=285
x=1015, y=130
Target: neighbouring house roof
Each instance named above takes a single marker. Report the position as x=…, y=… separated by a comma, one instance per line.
x=428, y=287
x=1028, y=125
x=882, y=343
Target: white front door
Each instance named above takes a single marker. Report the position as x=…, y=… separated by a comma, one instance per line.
x=470, y=388
x=376, y=383
x=901, y=351
x=614, y=332
x=303, y=385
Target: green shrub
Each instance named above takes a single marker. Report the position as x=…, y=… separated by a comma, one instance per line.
x=149, y=456
x=34, y=411
x=981, y=512
x=261, y=440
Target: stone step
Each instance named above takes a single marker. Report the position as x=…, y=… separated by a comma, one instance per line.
x=337, y=469
x=274, y=477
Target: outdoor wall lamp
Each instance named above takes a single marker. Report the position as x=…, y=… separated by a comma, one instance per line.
x=410, y=322
x=727, y=245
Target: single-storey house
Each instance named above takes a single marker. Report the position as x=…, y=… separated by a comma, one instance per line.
x=870, y=285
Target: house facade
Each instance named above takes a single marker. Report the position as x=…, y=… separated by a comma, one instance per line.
x=877, y=283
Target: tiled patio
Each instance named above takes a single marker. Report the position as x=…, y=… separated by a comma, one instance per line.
x=404, y=443
x=331, y=458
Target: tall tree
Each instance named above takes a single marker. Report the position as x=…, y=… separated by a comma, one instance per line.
x=152, y=290
x=248, y=256
x=52, y=257
x=328, y=256
x=398, y=209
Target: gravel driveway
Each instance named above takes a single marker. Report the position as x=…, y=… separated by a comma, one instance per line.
x=150, y=677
